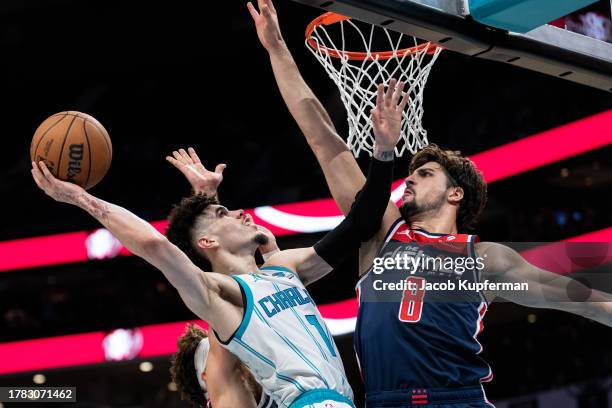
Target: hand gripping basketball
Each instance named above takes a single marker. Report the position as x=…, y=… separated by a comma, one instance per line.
x=62, y=191
x=74, y=146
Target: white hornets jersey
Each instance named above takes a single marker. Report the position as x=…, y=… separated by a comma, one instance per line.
x=283, y=338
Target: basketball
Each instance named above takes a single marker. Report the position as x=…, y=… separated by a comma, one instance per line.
x=74, y=146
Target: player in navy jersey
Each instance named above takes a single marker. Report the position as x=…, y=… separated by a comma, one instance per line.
x=420, y=347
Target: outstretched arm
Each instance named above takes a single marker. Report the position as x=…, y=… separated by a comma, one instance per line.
x=364, y=218
x=546, y=290
x=342, y=173
x=200, y=291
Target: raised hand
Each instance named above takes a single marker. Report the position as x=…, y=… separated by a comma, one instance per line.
x=387, y=115
x=266, y=23
x=201, y=180
x=59, y=190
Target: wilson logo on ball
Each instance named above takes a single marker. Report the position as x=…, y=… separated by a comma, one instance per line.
x=74, y=164
x=75, y=146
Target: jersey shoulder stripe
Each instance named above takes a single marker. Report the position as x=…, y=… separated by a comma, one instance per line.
x=247, y=299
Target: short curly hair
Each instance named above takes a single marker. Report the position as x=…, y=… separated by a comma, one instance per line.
x=463, y=173
x=183, y=370
x=181, y=224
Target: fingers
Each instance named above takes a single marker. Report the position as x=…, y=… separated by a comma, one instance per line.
x=380, y=94
x=404, y=102
x=220, y=167
x=260, y=4
x=177, y=156
x=397, y=93
x=174, y=162
x=252, y=10
x=182, y=158
x=391, y=97
x=185, y=156
x=37, y=175
x=375, y=118
x=45, y=171
x=270, y=4
x=390, y=89
x=374, y=113
x=265, y=10
x=193, y=155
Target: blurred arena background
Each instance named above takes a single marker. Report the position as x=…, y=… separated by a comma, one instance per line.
x=163, y=76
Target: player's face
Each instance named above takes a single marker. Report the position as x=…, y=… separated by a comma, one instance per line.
x=232, y=229
x=426, y=190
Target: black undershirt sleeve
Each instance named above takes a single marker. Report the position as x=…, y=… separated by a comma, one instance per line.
x=364, y=218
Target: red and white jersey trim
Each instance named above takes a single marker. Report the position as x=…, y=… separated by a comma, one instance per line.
x=401, y=232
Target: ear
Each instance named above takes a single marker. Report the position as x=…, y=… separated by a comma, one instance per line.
x=207, y=242
x=455, y=195
x=203, y=376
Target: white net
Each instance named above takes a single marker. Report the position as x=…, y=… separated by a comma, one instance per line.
x=358, y=73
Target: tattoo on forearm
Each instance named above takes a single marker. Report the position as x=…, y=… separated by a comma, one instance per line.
x=96, y=207
x=387, y=155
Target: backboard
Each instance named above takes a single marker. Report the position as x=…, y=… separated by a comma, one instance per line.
x=552, y=50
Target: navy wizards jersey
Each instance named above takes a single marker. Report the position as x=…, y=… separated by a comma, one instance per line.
x=415, y=338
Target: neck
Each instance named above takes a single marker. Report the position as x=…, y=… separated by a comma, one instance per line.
x=440, y=222
x=233, y=264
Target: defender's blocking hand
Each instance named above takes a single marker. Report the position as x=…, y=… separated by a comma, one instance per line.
x=387, y=115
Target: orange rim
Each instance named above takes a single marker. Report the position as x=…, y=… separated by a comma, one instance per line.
x=330, y=18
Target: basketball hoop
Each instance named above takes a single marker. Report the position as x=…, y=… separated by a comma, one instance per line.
x=358, y=73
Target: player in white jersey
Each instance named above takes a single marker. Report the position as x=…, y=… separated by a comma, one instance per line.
x=266, y=318
x=283, y=338
x=205, y=373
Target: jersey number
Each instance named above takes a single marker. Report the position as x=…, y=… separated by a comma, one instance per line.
x=312, y=319
x=411, y=307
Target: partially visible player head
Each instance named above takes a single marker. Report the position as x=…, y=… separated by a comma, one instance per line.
x=202, y=228
x=444, y=182
x=188, y=369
